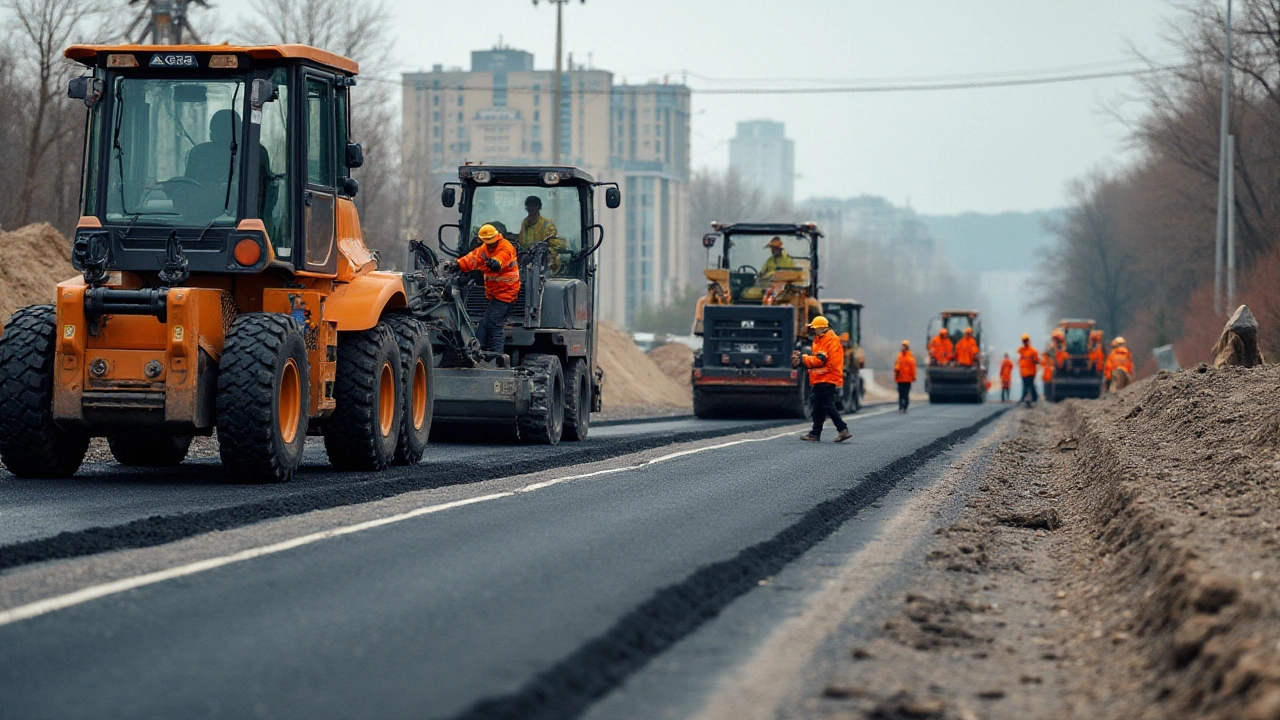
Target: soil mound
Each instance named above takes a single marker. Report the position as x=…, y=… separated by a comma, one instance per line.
x=33, y=259
x=676, y=362
x=633, y=384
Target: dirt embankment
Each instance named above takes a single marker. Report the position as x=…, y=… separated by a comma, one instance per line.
x=634, y=386
x=1121, y=559
x=675, y=360
x=33, y=260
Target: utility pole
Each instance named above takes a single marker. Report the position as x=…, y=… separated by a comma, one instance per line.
x=1226, y=168
x=559, y=91
x=164, y=21
x=1231, y=223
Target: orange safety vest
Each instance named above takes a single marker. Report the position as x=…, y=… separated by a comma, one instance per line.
x=967, y=350
x=1120, y=358
x=831, y=371
x=1097, y=357
x=941, y=349
x=1047, y=364
x=1006, y=372
x=503, y=285
x=904, y=368
x=1028, y=358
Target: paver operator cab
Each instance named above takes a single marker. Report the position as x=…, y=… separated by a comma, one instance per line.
x=225, y=280
x=762, y=292
x=957, y=369
x=845, y=317
x=546, y=381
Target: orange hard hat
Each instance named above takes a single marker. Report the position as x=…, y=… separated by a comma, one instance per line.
x=968, y=331
x=942, y=332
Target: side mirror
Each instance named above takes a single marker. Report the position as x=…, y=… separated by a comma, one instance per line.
x=78, y=88
x=350, y=186
x=448, y=197
x=261, y=92
x=355, y=155
x=709, y=240
x=612, y=198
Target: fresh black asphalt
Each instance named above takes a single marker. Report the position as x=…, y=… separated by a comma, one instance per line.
x=524, y=606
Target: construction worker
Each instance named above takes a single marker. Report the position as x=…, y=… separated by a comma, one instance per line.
x=537, y=228
x=496, y=257
x=1006, y=377
x=1119, y=359
x=967, y=349
x=1097, y=356
x=904, y=373
x=941, y=351
x=1028, y=359
x=826, y=375
x=778, y=259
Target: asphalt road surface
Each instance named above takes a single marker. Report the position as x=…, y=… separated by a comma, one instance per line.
x=501, y=587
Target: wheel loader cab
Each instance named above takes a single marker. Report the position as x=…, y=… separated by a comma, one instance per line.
x=221, y=149
x=225, y=280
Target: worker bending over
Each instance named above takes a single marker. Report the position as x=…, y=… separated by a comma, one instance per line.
x=496, y=257
x=826, y=374
x=967, y=349
x=941, y=351
x=1119, y=368
x=1006, y=377
x=904, y=373
x=1028, y=359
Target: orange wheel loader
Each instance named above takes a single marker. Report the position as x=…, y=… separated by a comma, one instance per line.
x=225, y=282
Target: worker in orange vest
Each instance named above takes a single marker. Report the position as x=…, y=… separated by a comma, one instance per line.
x=1119, y=359
x=941, y=351
x=1097, y=356
x=826, y=374
x=1006, y=377
x=904, y=373
x=1028, y=359
x=496, y=257
x=967, y=349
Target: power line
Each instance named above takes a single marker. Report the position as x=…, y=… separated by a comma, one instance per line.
x=913, y=86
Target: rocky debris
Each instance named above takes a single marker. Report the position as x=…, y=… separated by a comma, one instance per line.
x=1238, y=344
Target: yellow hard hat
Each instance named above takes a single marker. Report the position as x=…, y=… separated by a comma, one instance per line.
x=1025, y=337
x=774, y=243
x=906, y=343
x=819, y=322
x=487, y=233
x=1118, y=341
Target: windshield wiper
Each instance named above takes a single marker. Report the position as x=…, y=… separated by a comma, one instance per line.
x=118, y=123
x=231, y=165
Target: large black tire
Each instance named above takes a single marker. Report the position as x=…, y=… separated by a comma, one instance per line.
x=417, y=372
x=544, y=423
x=263, y=398
x=706, y=407
x=31, y=444
x=364, y=429
x=577, y=401
x=149, y=449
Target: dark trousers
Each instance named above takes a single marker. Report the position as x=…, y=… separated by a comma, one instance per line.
x=1029, y=389
x=824, y=406
x=904, y=395
x=1004, y=393
x=492, y=332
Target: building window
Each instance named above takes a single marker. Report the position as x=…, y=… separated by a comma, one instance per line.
x=435, y=131
x=435, y=116
x=537, y=99
x=435, y=100
x=459, y=117
x=537, y=115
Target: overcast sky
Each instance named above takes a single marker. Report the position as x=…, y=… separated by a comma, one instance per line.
x=986, y=150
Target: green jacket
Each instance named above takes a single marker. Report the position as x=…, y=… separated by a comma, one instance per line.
x=539, y=230
x=782, y=262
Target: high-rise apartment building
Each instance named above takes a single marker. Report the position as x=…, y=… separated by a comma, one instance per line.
x=500, y=111
x=765, y=158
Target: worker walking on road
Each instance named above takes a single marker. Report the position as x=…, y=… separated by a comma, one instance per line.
x=1028, y=359
x=1006, y=378
x=941, y=351
x=904, y=373
x=1119, y=370
x=967, y=349
x=497, y=258
x=826, y=375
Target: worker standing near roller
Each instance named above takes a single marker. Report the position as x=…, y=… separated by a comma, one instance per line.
x=941, y=351
x=1006, y=378
x=1097, y=356
x=826, y=376
x=966, y=351
x=1119, y=359
x=496, y=256
x=1028, y=359
x=904, y=373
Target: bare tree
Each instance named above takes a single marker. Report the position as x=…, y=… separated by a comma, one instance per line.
x=43, y=29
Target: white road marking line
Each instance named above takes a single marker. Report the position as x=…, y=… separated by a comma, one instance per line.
x=61, y=602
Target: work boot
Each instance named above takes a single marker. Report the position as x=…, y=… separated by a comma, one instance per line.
x=844, y=435
x=810, y=437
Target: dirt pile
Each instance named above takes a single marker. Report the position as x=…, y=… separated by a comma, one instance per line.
x=33, y=259
x=633, y=384
x=675, y=360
